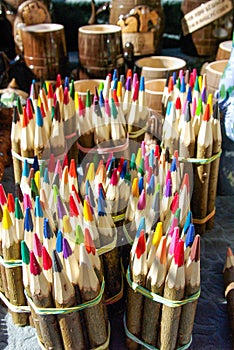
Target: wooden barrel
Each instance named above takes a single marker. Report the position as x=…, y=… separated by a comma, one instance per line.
x=100, y=51
x=45, y=51
x=208, y=24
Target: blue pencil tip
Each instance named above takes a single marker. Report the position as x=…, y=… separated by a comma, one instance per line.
x=59, y=242
x=28, y=223
x=142, y=83
x=39, y=118
x=25, y=171
x=38, y=209
x=35, y=164
x=141, y=226
x=190, y=236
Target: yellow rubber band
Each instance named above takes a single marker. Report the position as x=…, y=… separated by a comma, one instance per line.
x=116, y=297
x=135, y=134
x=64, y=311
x=119, y=217
x=205, y=219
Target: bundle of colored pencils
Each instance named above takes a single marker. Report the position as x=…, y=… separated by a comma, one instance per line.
x=55, y=117
x=192, y=125
x=164, y=290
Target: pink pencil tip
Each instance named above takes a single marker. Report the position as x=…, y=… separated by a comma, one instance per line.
x=114, y=177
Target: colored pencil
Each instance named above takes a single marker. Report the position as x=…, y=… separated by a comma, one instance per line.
x=41, y=295
x=155, y=283
x=214, y=169
x=64, y=296
x=192, y=286
x=11, y=252
x=135, y=301
x=89, y=285
x=173, y=290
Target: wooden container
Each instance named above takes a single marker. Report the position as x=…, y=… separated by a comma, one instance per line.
x=45, y=50
x=81, y=86
x=100, y=50
x=154, y=93
x=214, y=70
x=224, y=50
x=157, y=67
x=211, y=24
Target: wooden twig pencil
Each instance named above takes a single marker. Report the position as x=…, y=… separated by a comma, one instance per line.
x=135, y=301
x=64, y=296
x=89, y=289
x=155, y=283
x=11, y=251
x=173, y=290
x=192, y=285
x=202, y=171
x=42, y=297
x=214, y=170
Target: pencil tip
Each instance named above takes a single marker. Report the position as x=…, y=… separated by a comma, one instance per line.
x=56, y=262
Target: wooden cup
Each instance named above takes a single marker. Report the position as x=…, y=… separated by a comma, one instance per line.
x=81, y=86
x=154, y=93
x=157, y=67
x=224, y=50
x=214, y=71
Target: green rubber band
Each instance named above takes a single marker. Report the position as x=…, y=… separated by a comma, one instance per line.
x=200, y=160
x=14, y=308
x=67, y=310
x=148, y=346
x=9, y=264
x=159, y=298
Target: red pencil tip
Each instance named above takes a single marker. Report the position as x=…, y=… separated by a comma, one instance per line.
x=35, y=268
x=206, y=116
x=46, y=259
x=179, y=253
x=141, y=245
x=89, y=244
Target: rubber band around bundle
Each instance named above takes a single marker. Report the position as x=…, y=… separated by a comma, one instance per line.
x=117, y=218
x=67, y=310
x=108, y=247
x=100, y=347
x=14, y=308
x=9, y=264
x=117, y=296
x=31, y=160
x=148, y=346
x=127, y=236
x=229, y=288
x=136, y=134
x=105, y=150
x=159, y=298
x=200, y=160
x=205, y=219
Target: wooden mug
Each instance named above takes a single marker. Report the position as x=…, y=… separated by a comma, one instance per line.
x=100, y=50
x=45, y=51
